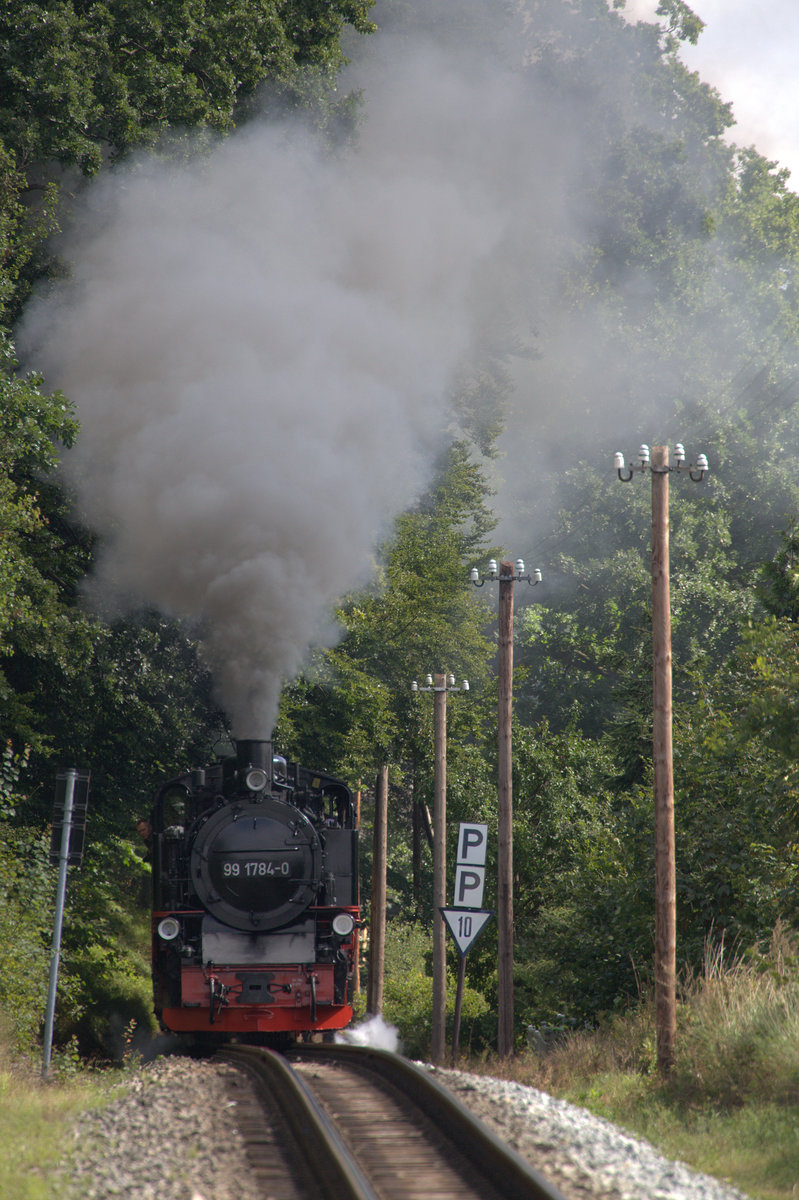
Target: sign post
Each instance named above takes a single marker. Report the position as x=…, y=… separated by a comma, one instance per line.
x=66, y=849
x=466, y=920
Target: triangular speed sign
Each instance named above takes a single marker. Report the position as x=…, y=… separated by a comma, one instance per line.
x=465, y=925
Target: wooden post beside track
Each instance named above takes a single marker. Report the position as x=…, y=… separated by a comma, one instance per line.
x=505, y=815
x=377, y=906
x=665, y=864
x=438, y=1040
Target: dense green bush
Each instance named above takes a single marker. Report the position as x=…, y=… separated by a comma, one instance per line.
x=103, y=981
x=106, y=949
x=26, y=913
x=408, y=994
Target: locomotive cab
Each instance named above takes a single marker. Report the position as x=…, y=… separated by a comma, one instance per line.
x=255, y=899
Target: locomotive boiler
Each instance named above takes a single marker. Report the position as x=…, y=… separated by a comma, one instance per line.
x=255, y=899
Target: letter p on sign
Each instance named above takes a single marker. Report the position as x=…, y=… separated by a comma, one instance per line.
x=472, y=845
x=469, y=884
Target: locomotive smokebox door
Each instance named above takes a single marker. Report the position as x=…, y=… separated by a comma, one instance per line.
x=256, y=866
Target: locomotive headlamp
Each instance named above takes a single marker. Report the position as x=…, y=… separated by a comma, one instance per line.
x=256, y=779
x=168, y=929
x=343, y=924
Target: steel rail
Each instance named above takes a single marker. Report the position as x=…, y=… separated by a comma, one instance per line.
x=509, y=1171
x=336, y=1174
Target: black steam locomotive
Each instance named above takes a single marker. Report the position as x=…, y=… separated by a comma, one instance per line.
x=255, y=899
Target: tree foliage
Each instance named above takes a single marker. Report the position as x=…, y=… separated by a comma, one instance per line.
x=418, y=615
x=80, y=80
x=677, y=226
x=82, y=84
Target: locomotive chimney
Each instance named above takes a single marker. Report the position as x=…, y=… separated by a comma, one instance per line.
x=252, y=753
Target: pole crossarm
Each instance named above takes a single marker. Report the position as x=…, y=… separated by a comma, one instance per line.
x=696, y=471
x=449, y=686
x=506, y=572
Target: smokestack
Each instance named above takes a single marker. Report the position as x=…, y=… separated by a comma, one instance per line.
x=254, y=753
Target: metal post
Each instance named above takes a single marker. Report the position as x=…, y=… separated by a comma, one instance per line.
x=377, y=918
x=505, y=815
x=439, y=868
x=665, y=865
x=55, y=953
x=456, y=1030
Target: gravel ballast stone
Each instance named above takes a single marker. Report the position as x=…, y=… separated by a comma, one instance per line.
x=172, y=1135
x=581, y=1154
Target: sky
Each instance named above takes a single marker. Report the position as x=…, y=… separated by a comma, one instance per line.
x=749, y=53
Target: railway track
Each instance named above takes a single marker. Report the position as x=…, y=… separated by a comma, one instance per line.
x=353, y=1123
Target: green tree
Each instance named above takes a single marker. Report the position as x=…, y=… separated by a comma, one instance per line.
x=25, y=915
x=82, y=83
x=421, y=614
x=79, y=80
x=136, y=707
x=38, y=568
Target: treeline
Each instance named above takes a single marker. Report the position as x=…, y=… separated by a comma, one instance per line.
x=683, y=285
x=82, y=86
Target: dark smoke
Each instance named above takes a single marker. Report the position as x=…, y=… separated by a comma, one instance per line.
x=262, y=344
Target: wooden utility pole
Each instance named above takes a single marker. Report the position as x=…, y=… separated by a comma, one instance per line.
x=505, y=815
x=439, y=685
x=508, y=574
x=665, y=858
x=438, y=1041
x=377, y=908
x=356, y=963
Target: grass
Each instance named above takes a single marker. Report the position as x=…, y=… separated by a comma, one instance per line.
x=36, y=1122
x=731, y=1108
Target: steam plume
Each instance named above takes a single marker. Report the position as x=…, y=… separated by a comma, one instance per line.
x=259, y=346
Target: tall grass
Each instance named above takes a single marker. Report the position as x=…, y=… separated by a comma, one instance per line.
x=730, y=1106
x=737, y=1036
x=739, y=1028
x=36, y=1120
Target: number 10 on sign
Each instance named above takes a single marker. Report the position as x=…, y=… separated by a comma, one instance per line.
x=465, y=925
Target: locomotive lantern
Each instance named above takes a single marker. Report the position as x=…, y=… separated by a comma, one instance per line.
x=255, y=899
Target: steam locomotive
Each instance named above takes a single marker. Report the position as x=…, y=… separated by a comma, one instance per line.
x=255, y=900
